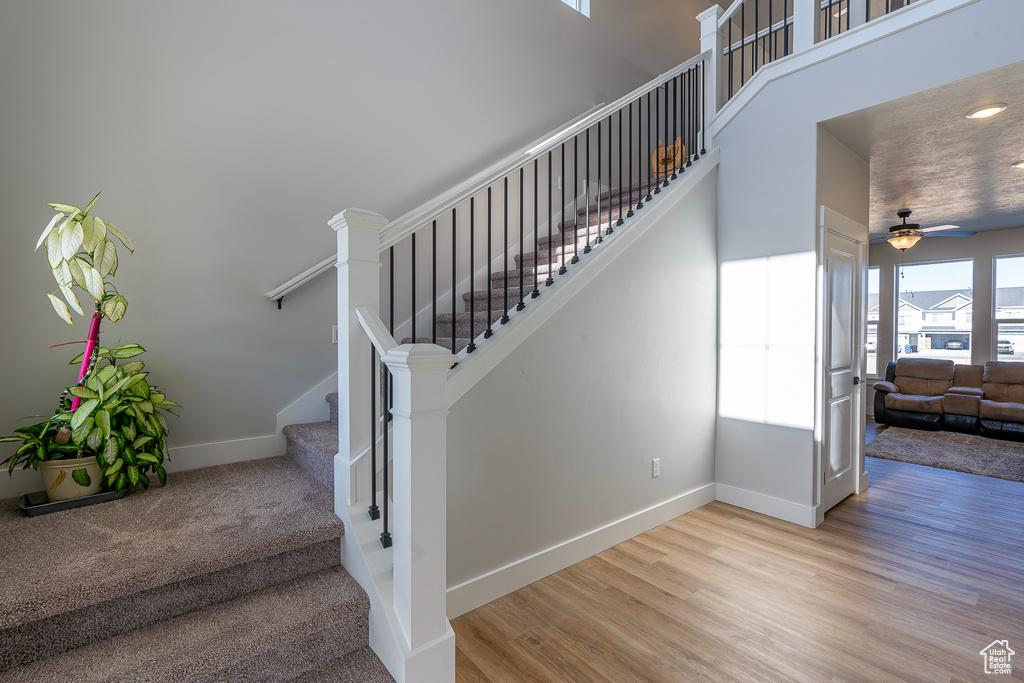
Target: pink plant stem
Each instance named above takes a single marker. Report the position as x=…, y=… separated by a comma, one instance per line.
x=92, y=341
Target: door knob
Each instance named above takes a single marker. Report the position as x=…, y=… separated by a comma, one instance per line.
x=857, y=380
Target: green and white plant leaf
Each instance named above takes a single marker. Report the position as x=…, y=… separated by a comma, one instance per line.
x=80, y=255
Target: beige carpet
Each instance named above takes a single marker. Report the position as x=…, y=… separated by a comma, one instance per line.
x=951, y=451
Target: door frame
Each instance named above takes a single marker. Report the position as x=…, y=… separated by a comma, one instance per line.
x=831, y=220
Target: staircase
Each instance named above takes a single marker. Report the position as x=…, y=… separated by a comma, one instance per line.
x=590, y=225
x=228, y=573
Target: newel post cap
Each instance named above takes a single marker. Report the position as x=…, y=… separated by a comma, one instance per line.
x=358, y=218
x=419, y=357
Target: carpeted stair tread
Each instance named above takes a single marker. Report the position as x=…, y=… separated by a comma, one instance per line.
x=620, y=195
x=498, y=296
x=274, y=634
x=361, y=666
x=313, y=446
x=210, y=535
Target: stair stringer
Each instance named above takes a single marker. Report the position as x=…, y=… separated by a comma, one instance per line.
x=473, y=367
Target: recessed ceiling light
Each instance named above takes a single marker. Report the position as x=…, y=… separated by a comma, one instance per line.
x=987, y=111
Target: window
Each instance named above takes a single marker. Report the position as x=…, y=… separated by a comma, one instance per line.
x=581, y=6
x=872, y=341
x=934, y=310
x=1008, y=302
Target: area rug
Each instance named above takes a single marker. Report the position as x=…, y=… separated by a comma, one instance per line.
x=951, y=451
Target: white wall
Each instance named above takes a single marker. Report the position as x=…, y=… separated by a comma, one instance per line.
x=557, y=441
x=769, y=184
x=224, y=135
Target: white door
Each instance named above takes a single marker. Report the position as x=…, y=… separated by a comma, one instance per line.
x=843, y=442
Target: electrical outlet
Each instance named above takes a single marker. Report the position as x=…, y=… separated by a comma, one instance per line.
x=334, y=334
x=655, y=467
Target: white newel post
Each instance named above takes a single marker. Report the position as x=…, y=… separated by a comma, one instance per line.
x=806, y=24
x=419, y=491
x=711, y=39
x=358, y=285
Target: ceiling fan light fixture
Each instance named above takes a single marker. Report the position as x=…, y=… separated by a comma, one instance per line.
x=987, y=111
x=904, y=239
x=1018, y=164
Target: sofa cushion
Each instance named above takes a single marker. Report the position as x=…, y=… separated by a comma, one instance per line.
x=961, y=404
x=923, y=387
x=966, y=391
x=1005, y=411
x=1003, y=381
x=968, y=376
x=924, y=376
x=912, y=403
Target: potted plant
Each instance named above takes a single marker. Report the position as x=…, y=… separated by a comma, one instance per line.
x=108, y=431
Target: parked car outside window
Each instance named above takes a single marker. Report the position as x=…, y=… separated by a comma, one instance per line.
x=1003, y=346
x=870, y=346
x=954, y=345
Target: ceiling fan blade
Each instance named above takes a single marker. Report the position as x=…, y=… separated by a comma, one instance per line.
x=960, y=233
x=937, y=228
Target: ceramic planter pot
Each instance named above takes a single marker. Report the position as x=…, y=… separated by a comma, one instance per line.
x=60, y=482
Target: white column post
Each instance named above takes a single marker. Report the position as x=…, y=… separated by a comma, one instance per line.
x=358, y=285
x=806, y=24
x=419, y=490
x=711, y=39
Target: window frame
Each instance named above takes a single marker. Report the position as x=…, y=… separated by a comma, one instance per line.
x=994, y=318
x=581, y=6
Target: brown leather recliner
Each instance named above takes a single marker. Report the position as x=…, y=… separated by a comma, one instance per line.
x=913, y=392
x=1001, y=408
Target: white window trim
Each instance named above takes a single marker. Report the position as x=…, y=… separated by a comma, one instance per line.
x=581, y=6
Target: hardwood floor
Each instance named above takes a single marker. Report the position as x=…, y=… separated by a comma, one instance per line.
x=907, y=582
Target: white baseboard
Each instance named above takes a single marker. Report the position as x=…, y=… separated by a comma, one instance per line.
x=490, y=586
x=786, y=510
x=222, y=453
x=182, y=458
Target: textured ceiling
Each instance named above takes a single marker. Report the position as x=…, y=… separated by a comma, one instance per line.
x=925, y=155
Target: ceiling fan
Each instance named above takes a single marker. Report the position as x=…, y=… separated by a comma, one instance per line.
x=905, y=235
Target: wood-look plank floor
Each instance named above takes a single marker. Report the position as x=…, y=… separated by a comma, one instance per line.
x=907, y=582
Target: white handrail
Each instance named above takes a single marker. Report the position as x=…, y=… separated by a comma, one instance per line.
x=400, y=228
x=302, y=278
x=375, y=329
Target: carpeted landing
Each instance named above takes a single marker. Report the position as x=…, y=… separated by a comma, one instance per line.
x=228, y=573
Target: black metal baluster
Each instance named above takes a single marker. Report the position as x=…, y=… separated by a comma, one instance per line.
x=385, y=535
x=504, y=310
x=433, y=285
x=669, y=144
x=647, y=157
x=701, y=104
x=640, y=153
x=522, y=238
x=472, y=275
x=785, y=27
x=536, y=230
x=490, y=279
x=754, y=51
x=413, y=288
x=621, y=186
x=730, y=56
x=551, y=280
x=599, y=238
x=684, y=119
x=374, y=511
x=561, y=228
x=656, y=164
x=609, y=230
x=771, y=34
x=675, y=130
x=455, y=307
x=743, y=44
x=575, y=199
x=586, y=183
x=692, y=113
x=629, y=155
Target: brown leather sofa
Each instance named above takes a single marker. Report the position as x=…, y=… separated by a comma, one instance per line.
x=929, y=393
